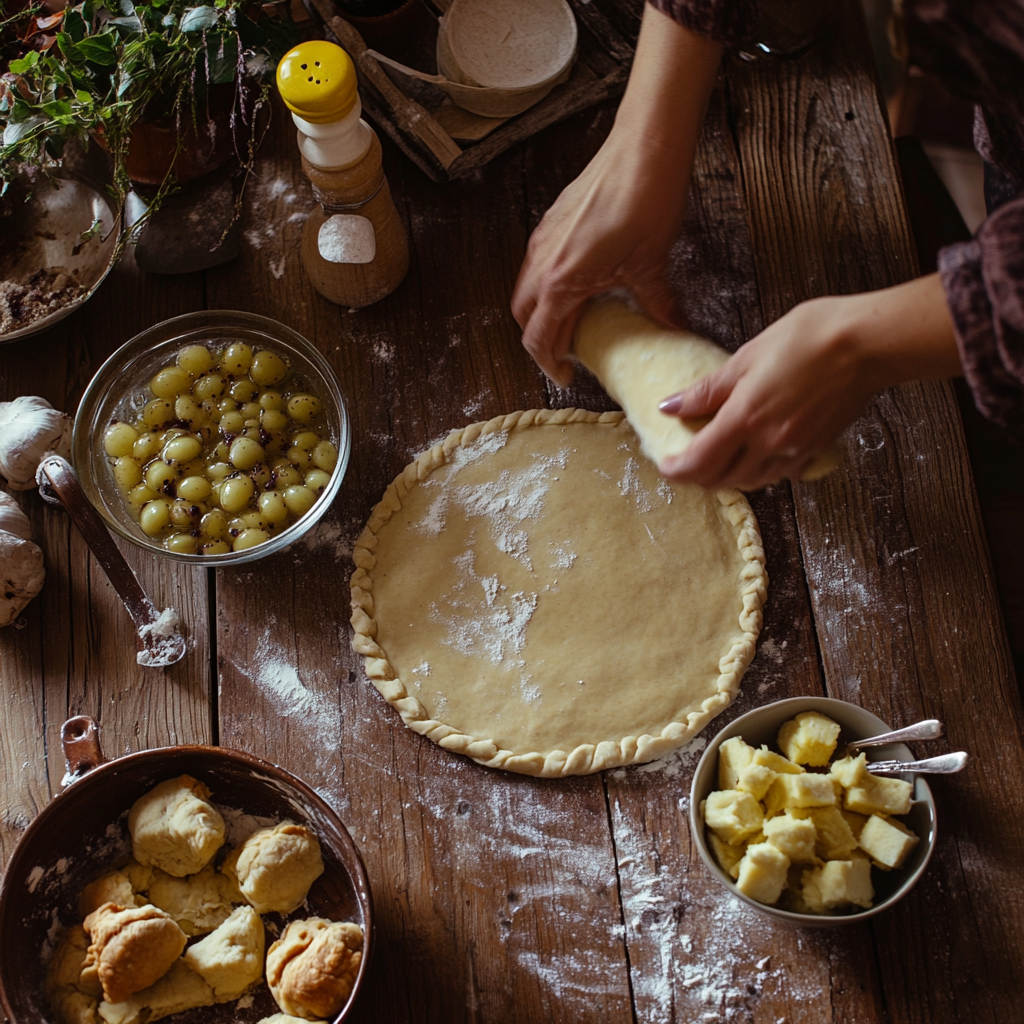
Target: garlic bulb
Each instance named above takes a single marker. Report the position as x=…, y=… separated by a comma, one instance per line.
x=12, y=519
x=29, y=428
x=21, y=561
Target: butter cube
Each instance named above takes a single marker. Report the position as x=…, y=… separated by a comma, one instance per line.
x=854, y=820
x=727, y=857
x=762, y=874
x=837, y=884
x=755, y=780
x=886, y=842
x=835, y=838
x=850, y=770
x=734, y=815
x=776, y=762
x=733, y=755
x=875, y=794
x=795, y=837
x=805, y=790
x=810, y=738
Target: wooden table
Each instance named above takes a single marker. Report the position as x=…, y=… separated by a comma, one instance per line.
x=502, y=898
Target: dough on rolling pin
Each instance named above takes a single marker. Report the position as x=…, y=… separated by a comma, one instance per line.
x=639, y=362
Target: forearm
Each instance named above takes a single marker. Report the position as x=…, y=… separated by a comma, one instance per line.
x=902, y=333
x=659, y=120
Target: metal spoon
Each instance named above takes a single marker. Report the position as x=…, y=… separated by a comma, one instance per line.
x=929, y=729
x=944, y=764
x=156, y=636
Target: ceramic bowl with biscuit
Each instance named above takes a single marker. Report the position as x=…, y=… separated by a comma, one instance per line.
x=796, y=826
x=193, y=881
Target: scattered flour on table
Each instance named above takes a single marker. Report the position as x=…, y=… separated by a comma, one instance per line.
x=305, y=703
x=673, y=764
x=271, y=229
x=771, y=655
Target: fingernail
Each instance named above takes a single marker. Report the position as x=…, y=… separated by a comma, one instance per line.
x=672, y=404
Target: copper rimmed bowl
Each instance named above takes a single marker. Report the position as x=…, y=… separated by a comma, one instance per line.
x=85, y=828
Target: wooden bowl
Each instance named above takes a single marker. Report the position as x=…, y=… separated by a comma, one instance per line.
x=84, y=829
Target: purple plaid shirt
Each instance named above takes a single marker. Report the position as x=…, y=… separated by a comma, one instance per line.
x=976, y=48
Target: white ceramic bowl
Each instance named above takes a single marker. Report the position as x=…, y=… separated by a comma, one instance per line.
x=505, y=77
x=762, y=726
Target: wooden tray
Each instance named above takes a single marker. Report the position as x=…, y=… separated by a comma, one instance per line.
x=448, y=142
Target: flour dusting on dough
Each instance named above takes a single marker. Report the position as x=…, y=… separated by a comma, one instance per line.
x=506, y=503
x=485, y=629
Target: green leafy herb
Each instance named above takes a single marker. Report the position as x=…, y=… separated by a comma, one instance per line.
x=98, y=68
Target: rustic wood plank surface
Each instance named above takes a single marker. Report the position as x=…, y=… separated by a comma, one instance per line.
x=75, y=653
x=506, y=898
x=893, y=547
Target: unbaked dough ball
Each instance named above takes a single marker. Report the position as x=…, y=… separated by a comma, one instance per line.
x=178, y=990
x=131, y=948
x=276, y=866
x=175, y=828
x=199, y=903
x=230, y=959
x=72, y=998
x=311, y=969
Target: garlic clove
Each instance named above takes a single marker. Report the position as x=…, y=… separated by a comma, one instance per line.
x=12, y=519
x=21, y=575
x=29, y=428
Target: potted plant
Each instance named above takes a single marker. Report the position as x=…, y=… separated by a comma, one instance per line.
x=169, y=88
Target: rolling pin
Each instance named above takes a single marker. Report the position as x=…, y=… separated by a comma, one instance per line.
x=639, y=362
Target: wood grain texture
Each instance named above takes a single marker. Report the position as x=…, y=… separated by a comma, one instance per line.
x=495, y=894
x=75, y=654
x=901, y=584
x=503, y=898
x=693, y=949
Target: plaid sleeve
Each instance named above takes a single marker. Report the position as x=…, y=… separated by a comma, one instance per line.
x=984, y=284
x=731, y=22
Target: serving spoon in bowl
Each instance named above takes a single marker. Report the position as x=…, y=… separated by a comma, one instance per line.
x=157, y=633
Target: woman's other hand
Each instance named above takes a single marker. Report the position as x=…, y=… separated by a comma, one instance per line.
x=790, y=391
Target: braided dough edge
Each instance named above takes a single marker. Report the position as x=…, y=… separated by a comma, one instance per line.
x=588, y=757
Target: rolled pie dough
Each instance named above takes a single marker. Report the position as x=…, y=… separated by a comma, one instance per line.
x=530, y=593
x=639, y=362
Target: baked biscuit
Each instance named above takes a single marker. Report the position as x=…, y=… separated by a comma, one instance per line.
x=130, y=948
x=72, y=997
x=230, y=959
x=199, y=903
x=311, y=969
x=276, y=866
x=179, y=989
x=175, y=828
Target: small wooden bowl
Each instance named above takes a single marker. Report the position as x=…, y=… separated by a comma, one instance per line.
x=85, y=828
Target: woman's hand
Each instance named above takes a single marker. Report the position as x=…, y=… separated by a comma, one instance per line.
x=790, y=391
x=615, y=224
x=612, y=227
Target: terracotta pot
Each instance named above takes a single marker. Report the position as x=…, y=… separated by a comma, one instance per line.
x=85, y=828
x=204, y=145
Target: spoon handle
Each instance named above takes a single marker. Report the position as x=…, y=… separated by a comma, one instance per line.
x=929, y=729
x=944, y=764
x=154, y=651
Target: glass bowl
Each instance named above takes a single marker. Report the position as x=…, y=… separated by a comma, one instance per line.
x=762, y=726
x=120, y=389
